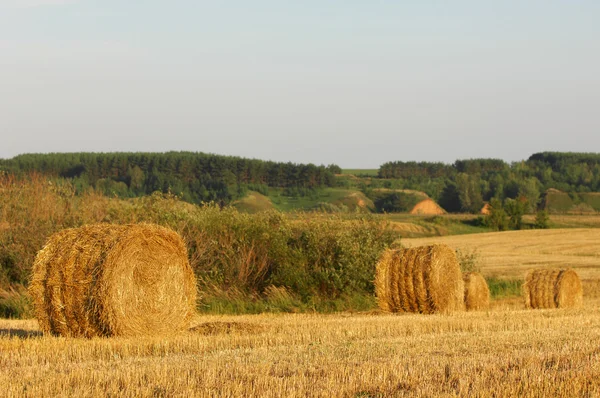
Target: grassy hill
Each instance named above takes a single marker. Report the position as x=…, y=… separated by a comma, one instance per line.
x=327, y=199
x=556, y=202
x=254, y=202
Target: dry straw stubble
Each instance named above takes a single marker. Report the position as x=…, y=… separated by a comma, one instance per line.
x=422, y=279
x=552, y=288
x=477, y=293
x=113, y=280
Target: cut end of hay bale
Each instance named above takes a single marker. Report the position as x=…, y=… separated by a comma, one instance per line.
x=569, y=291
x=423, y=279
x=477, y=293
x=113, y=280
x=552, y=288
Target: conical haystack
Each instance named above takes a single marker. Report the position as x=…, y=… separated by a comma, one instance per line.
x=113, y=280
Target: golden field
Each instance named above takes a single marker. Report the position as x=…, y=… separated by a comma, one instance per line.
x=510, y=254
x=506, y=351
x=500, y=353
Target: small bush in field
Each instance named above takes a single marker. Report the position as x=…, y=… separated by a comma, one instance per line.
x=468, y=260
x=542, y=220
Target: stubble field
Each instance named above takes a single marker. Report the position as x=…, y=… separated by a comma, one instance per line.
x=506, y=351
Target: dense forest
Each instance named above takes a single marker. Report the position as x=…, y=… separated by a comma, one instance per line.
x=197, y=177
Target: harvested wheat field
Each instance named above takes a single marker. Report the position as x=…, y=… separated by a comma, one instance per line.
x=503, y=353
x=111, y=280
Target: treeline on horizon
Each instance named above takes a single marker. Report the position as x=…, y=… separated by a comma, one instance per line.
x=196, y=176
x=466, y=185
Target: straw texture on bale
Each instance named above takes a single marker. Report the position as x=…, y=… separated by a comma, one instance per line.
x=422, y=280
x=113, y=280
x=477, y=293
x=552, y=288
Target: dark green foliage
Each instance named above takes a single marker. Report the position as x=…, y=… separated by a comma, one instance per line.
x=469, y=193
x=396, y=202
x=502, y=288
x=477, y=166
x=542, y=220
x=515, y=209
x=334, y=169
x=415, y=169
x=497, y=219
x=450, y=198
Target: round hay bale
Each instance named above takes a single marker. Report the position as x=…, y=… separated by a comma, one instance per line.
x=477, y=293
x=552, y=288
x=113, y=280
x=423, y=280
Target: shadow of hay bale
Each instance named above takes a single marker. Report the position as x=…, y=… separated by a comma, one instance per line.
x=215, y=328
x=20, y=333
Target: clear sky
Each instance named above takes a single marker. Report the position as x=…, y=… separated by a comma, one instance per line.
x=356, y=83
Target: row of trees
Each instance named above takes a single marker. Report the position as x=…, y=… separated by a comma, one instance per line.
x=198, y=177
x=465, y=185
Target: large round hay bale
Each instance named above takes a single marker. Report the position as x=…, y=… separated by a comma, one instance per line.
x=477, y=293
x=113, y=280
x=423, y=280
x=552, y=288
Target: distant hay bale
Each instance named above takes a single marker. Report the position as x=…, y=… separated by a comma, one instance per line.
x=423, y=280
x=477, y=293
x=552, y=288
x=113, y=280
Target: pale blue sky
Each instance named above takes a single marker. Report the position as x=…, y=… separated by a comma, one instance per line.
x=357, y=83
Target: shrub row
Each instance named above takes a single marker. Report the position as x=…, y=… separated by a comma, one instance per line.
x=306, y=257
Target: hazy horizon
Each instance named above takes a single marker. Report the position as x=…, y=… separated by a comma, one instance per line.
x=352, y=83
